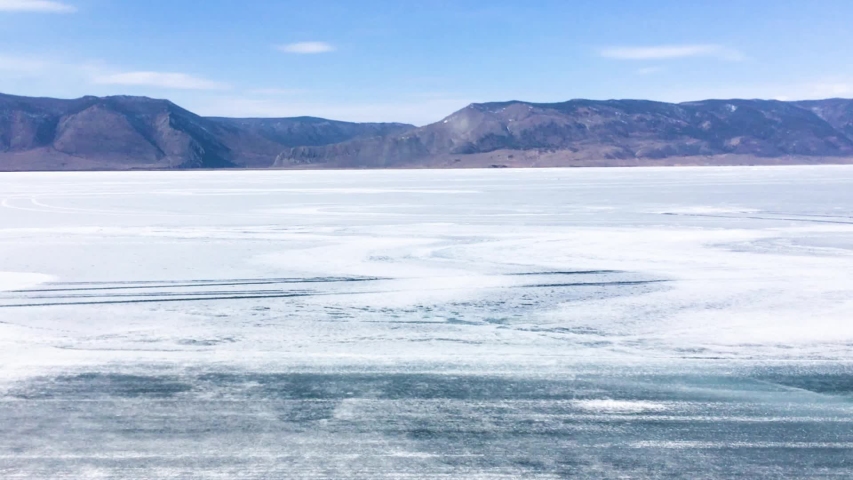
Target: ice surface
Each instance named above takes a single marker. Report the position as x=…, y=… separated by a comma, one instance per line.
x=577, y=323
x=17, y=280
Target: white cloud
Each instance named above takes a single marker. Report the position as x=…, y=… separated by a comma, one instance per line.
x=307, y=47
x=43, y=6
x=668, y=52
x=178, y=81
x=648, y=70
x=832, y=89
x=17, y=64
x=67, y=77
x=278, y=91
x=816, y=89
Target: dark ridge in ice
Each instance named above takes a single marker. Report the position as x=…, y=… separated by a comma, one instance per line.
x=594, y=284
x=831, y=384
x=165, y=294
x=130, y=285
x=133, y=292
x=96, y=384
x=157, y=300
x=754, y=217
x=571, y=272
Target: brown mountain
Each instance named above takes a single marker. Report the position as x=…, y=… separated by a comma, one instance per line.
x=123, y=132
x=613, y=132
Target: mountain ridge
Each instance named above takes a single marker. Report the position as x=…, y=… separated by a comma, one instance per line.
x=607, y=132
x=127, y=132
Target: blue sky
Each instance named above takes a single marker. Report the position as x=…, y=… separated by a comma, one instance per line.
x=417, y=61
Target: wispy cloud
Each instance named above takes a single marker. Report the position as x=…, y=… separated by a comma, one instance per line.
x=17, y=64
x=669, y=52
x=304, y=48
x=277, y=91
x=832, y=89
x=168, y=80
x=648, y=70
x=814, y=89
x=32, y=70
x=43, y=6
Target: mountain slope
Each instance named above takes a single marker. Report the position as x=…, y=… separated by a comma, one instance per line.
x=255, y=142
x=125, y=132
x=609, y=132
x=838, y=112
x=111, y=132
x=310, y=131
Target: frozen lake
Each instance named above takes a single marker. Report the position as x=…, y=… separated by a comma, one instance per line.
x=554, y=323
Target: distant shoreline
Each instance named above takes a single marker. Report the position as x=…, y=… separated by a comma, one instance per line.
x=314, y=168
x=126, y=133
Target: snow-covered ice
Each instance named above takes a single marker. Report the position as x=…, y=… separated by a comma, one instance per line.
x=431, y=313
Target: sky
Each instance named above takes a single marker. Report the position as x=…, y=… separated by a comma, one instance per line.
x=417, y=61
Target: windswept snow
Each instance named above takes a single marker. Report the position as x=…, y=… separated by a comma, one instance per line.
x=389, y=324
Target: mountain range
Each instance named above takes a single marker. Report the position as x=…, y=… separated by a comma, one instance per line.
x=123, y=132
